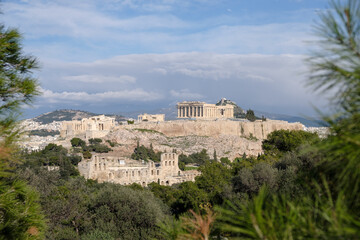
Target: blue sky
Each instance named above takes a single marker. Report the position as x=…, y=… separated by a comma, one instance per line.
x=129, y=55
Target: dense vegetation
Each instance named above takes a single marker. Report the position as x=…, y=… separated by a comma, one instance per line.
x=302, y=187
x=95, y=145
x=20, y=214
x=143, y=153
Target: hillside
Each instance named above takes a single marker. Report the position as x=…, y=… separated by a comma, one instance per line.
x=68, y=115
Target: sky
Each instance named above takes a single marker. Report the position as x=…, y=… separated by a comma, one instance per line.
x=111, y=56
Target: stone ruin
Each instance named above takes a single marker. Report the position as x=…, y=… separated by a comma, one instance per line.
x=125, y=171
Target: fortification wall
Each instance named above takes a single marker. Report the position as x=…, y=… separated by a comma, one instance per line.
x=257, y=129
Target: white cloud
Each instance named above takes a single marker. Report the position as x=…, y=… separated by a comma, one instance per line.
x=272, y=83
x=185, y=94
x=135, y=95
x=101, y=79
x=82, y=29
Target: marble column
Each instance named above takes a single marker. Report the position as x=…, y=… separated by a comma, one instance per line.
x=179, y=112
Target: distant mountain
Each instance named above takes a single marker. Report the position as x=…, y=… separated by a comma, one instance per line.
x=68, y=115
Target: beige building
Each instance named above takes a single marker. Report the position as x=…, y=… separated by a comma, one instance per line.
x=204, y=110
x=94, y=127
x=151, y=117
x=106, y=168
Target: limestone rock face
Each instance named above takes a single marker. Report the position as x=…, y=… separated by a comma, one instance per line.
x=229, y=138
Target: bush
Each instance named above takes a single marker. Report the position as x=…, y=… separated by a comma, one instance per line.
x=95, y=140
x=77, y=142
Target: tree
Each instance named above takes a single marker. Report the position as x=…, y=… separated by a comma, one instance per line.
x=95, y=140
x=329, y=208
x=77, y=142
x=286, y=140
x=250, y=115
x=335, y=69
x=20, y=214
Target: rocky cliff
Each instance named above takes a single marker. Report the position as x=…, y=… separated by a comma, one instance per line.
x=229, y=138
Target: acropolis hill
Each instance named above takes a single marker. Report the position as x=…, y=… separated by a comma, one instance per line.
x=199, y=126
x=228, y=138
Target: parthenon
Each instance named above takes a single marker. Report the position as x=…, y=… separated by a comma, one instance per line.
x=204, y=110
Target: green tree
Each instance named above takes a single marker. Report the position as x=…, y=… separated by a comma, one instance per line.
x=282, y=141
x=20, y=214
x=95, y=140
x=250, y=115
x=77, y=142
x=214, y=180
x=329, y=208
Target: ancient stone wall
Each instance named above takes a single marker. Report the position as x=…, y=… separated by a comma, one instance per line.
x=107, y=168
x=94, y=127
x=257, y=129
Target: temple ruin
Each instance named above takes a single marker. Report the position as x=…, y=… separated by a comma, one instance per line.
x=125, y=171
x=151, y=117
x=93, y=127
x=202, y=110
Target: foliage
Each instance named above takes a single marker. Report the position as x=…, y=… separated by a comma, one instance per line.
x=198, y=158
x=250, y=115
x=198, y=227
x=171, y=229
x=17, y=86
x=97, y=235
x=77, y=142
x=20, y=214
x=188, y=196
x=214, y=179
x=95, y=146
x=328, y=174
x=250, y=180
x=225, y=161
x=112, y=144
x=87, y=154
x=80, y=209
x=53, y=155
x=144, y=130
x=282, y=141
x=98, y=148
x=95, y=140
x=144, y=153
